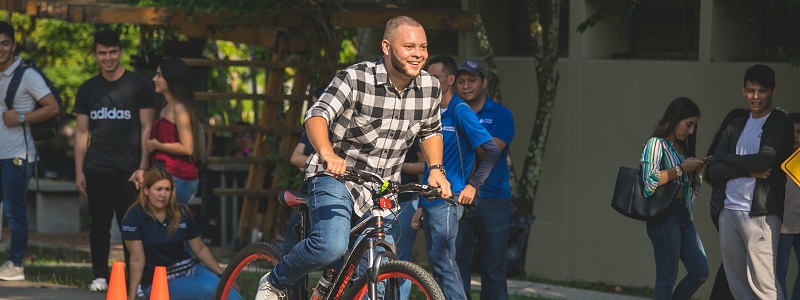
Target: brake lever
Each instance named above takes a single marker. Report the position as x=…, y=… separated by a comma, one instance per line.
x=450, y=200
x=437, y=194
x=351, y=178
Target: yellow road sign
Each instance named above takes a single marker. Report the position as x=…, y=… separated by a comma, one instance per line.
x=792, y=166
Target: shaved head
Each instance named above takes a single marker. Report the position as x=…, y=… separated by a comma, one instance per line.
x=395, y=23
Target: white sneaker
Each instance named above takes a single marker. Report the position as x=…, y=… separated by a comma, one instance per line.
x=268, y=292
x=99, y=284
x=10, y=272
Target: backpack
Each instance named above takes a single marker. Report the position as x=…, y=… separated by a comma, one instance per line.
x=46, y=129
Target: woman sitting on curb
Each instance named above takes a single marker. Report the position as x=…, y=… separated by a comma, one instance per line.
x=154, y=229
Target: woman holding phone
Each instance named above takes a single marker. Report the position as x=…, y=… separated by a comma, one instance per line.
x=669, y=156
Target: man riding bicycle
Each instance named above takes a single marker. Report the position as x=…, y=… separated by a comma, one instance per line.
x=367, y=118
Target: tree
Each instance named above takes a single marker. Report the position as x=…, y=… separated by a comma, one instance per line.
x=544, y=19
x=544, y=22
x=62, y=50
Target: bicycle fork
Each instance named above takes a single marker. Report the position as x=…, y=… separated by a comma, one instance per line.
x=374, y=260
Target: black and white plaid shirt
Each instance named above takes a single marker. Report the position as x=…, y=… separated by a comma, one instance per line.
x=371, y=124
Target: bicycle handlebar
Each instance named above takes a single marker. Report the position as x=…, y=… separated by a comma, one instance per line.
x=393, y=186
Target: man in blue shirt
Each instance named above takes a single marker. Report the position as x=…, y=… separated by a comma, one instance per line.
x=462, y=135
x=490, y=220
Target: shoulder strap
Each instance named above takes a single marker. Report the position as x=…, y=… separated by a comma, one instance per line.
x=458, y=141
x=13, y=85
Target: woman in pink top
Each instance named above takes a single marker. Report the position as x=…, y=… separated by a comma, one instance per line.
x=175, y=134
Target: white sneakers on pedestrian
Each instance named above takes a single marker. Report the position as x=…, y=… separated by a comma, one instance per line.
x=10, y=272
x=268, y=292
x=99, y=284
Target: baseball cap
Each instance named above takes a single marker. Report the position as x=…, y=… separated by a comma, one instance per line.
x=472, y=67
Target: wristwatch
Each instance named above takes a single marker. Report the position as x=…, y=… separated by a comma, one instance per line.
x=439, y=167
x=21, y=118
x=679, y=170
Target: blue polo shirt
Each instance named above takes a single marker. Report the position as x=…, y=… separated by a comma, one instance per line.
x=159, y=248
x=499, y=122
x=459, y=118
x=308, y=149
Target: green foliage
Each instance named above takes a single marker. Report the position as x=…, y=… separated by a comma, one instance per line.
x=63, y=50
x=349, y=51
x=235, y=79
x=238, y=9
x=778, y=22
x=79, y=277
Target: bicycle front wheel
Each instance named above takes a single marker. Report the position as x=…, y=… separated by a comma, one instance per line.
x=396, y=279
x=241, y=277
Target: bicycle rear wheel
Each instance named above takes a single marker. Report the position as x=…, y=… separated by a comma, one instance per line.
x=246, y=269
x=392, y=275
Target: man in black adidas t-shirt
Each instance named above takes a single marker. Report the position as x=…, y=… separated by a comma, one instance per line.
x=116, y=109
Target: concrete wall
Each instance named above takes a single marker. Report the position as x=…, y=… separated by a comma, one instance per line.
x=604, y=112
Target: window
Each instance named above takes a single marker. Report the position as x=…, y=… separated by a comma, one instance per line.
x=666, y=29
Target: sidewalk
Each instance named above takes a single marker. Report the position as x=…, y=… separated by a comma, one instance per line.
x=534, y=289
x=77, y=245
x=26, y=290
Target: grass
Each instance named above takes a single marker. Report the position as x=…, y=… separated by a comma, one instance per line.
x=51, y=267
x=76, y=276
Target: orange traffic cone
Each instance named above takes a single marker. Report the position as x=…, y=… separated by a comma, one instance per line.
x=159, y=289
x=116, y=286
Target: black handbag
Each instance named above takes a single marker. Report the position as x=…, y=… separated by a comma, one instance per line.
x=630, y=201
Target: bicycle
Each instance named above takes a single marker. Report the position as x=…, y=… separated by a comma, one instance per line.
x=384, y=270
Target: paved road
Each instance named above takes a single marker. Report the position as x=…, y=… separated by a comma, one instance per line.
x=26, y=290
x=534, y=289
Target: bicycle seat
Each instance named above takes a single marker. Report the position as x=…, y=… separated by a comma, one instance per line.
x=292, y=199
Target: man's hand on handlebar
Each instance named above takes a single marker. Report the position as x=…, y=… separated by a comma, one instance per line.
x=333, y=163
x=437, y=179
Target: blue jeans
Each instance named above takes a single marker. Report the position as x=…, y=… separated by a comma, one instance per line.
x=14, y=189
x=200, y=286
x=184, y=189
x=402, y=232
x=489, y=223
x=330, y=207
x=676, y=239
x=441, y=230
x=399, y=233
x=785, y=244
